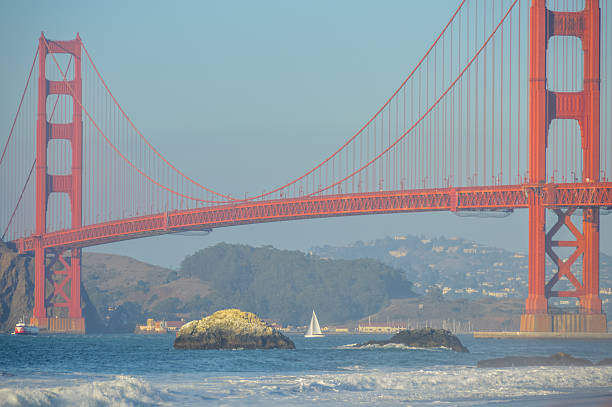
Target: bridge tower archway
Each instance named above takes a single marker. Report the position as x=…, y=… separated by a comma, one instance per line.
x=61, y=267
x=545, y=106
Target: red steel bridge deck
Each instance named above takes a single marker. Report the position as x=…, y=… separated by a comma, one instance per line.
x=444, y=199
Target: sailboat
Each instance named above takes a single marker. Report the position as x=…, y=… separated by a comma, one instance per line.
x=314, y=330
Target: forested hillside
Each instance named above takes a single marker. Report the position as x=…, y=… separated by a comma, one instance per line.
x=287, y=285
x=275, y=284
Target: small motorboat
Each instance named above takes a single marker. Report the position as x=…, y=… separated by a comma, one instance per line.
x=21, y=328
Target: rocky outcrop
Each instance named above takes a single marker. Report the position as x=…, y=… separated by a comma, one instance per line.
x=17, y=291
x=423, y=338
x=16, y=287
x=230, y=329
x=558, y=359
x=605, y=362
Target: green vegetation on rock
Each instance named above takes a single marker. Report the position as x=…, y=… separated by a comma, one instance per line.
x=230, y=329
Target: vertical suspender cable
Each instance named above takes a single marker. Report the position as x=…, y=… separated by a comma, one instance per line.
x=477, y=96
x=493, y=85
x=520, y=102
x=510, y=90
x=460, y=114
x=484, y=104
x=468, y=174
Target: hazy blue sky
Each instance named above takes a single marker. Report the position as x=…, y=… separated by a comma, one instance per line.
x=244, y=95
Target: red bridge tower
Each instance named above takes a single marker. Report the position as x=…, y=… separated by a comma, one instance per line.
x=546, y=105
x=65, y=265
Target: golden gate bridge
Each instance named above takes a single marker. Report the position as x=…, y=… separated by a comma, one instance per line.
x=509, y=108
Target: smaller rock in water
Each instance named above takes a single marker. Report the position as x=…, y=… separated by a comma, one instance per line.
x=230, y=329
x=423, y=338
x=558, y=359
x=605, y=362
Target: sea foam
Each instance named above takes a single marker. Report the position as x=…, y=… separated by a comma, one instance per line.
x=117, y=392
x=393, y=346
x=453, y=385
x=456, y=385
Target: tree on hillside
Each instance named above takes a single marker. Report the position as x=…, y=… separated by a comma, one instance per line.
x=287, y=285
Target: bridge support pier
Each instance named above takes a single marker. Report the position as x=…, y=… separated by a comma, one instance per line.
x=545, y=106
x=61, y=268
x=39, y=316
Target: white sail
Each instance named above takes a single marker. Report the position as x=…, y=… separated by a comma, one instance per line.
x=314, y=330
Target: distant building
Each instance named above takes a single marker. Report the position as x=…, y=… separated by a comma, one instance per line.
x=502, y=294
x=342, y=329
x=382, y=329
x=152, y=327
x=398, y=253
x=158, y=327
x=288, y=328
x=173, y=326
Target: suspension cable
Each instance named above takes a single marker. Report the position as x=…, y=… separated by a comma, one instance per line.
x=428, y=110
x=19, y=108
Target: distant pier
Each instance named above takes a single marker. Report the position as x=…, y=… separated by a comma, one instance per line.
x=543, y=335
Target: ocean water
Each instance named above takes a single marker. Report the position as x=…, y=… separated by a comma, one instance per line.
x=145, y=370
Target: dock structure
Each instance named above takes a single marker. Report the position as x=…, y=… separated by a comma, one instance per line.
x=543, y=335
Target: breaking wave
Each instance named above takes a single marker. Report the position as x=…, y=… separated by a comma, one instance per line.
x=392, y=346
x=462, y=385
x=119, y=391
